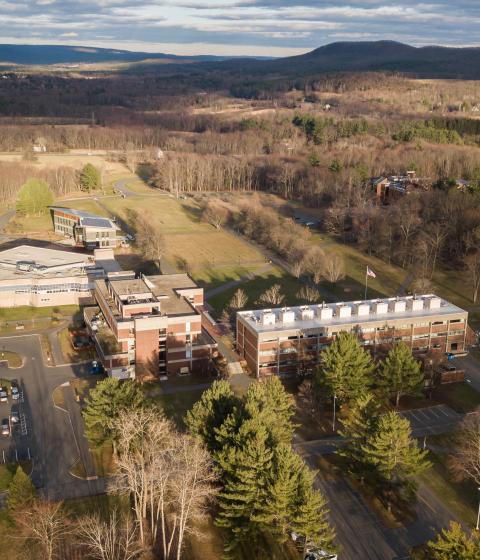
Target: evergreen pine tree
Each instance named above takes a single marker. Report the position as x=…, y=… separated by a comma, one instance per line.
x=393, y=451
x=400, y=374
x=454, y=544
x=90, y=178
x=310, y=519
x=210, y=412
x=346, y=368
x=245, y=469
x=21, y=491
x=281, y=491
x=269, y=400
x=105, y=402
x=359, y=424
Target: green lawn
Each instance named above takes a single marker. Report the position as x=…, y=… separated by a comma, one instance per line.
x=26, y=312
x=176, y=405
x=254, y=288
x=462, y=397
x=31, y=224
x=87, y=205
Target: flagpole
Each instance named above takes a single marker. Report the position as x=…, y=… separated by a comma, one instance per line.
x=366, y=282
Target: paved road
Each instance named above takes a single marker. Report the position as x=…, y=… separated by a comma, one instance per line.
x=53, y=446
x=471, y=365
x=432, y=420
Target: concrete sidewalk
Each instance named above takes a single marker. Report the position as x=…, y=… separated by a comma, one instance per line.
x=76, y=420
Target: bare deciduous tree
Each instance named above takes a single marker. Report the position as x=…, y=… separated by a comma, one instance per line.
x=215, y=214
x=272, y=296
x=113, y=539
x=239, y=300
x=45, y=524
x=309, y=294
x=472, y=262
x=334, y=269
x=168, y=474
x=466, y=458
x=149, y=238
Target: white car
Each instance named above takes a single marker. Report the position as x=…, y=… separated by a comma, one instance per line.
x=5, y=427
x=3, y=395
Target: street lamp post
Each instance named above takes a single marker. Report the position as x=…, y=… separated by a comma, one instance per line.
x=334, y=411
x=478, y=515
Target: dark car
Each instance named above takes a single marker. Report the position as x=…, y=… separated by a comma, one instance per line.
x=14, y=415
x=5, y=427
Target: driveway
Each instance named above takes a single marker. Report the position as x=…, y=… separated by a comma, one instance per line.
x=54, y=447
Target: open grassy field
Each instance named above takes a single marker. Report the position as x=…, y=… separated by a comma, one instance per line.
x=212, y=256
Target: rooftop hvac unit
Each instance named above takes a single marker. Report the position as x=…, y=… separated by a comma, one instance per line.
x=363, y=309
x=268, y=318
x=287, y=316
x=380, y=308
x=399, y=306
x=344, y=311
x=307, y=314
x=325, y=313
x=416, y=304
x=433, y=303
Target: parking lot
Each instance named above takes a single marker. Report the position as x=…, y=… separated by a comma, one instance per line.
x=433, y=420
x=15, y=421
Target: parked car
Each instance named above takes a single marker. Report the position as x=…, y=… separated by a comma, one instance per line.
x=15, y=392
x=5, y=427
x=3, y=395
x=96, y=368
x=14, y=415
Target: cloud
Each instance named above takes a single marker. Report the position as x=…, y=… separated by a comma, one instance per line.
x=239, y=26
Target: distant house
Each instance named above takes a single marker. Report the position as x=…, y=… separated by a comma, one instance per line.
x=39, y=148
x=462, y=184
x=87, y=230
x=385, y=187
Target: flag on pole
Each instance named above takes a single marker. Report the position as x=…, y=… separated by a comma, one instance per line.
x=370, y=272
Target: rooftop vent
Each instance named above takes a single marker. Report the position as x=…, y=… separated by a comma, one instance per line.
x=287, y=315
x=344, y=311
x=416, y=304
x=433, y=303
x=307, y=314
x=363, y=309
x=268, y=318
x=399, y=306
x=325, y=313
x=380, y=308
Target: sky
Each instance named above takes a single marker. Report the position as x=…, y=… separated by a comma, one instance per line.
x=237, y=27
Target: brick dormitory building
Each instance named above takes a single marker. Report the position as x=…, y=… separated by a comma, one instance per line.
x=149, y=324
x=285, y=340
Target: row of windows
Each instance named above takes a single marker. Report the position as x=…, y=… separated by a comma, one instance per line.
x=65, y=221
x=50, y=289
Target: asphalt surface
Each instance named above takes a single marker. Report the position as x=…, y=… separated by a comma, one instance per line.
x=433, y=420
x=54, y=445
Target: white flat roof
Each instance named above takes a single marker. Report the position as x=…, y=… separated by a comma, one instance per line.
x=27, y=260
x=255, y=318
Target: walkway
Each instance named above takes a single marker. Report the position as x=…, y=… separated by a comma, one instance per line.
x=76, y=420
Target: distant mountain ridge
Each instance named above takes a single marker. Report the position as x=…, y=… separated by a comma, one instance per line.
x=354, y=56
x=60, y=54
x=367, y=56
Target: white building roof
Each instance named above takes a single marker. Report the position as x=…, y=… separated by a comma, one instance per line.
x=309, y=317
x=27, y=260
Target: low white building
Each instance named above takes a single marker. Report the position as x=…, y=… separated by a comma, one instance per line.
x=39, y=277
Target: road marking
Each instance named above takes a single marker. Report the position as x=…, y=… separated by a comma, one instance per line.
x=23, y=425
x=427, y=504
